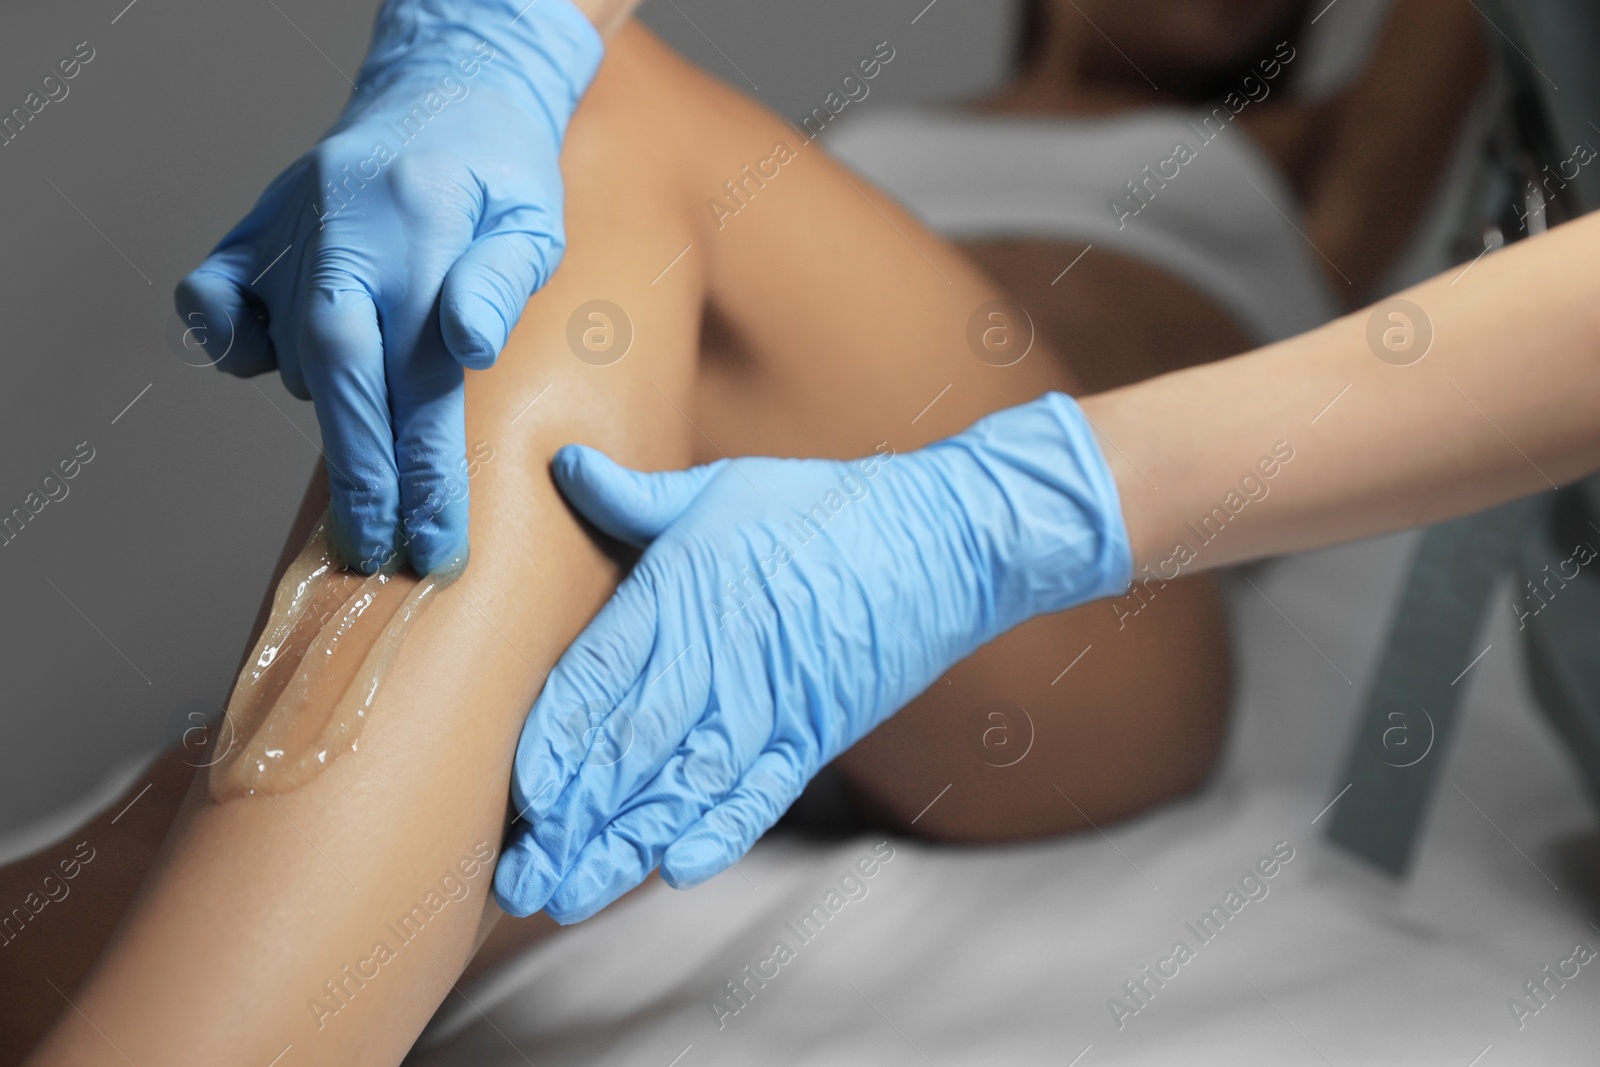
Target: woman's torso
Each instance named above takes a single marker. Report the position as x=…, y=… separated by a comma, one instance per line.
x=1138, y=243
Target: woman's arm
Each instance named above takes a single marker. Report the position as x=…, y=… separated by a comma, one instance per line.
x=1373, y=154
x=1504, y=401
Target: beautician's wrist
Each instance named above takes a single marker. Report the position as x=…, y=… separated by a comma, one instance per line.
x=1116, y=414
x=1042, y=512
x=1076, y=546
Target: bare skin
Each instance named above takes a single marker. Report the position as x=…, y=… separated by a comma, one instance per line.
x=607, y=15
x=835, y=332
x=1505, y=402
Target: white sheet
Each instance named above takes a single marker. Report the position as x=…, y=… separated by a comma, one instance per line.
x=1008, y=955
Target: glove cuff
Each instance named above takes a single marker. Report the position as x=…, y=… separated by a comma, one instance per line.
x=1044, y=517
x=547, y=47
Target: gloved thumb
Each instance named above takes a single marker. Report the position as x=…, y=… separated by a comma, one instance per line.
x=485, y=290
x=221, y=327
x=630, y=505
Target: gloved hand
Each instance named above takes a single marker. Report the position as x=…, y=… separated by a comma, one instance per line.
x=401, y=249
x=781, y=610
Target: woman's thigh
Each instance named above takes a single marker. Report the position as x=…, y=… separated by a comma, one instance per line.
x=1090, y=714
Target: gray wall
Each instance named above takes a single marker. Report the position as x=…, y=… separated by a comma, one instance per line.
x=128, y=602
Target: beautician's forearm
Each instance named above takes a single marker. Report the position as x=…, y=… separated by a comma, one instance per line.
x=1505, y=403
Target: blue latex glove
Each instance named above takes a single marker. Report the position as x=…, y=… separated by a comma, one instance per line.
x=402, y=249
x=782, y=609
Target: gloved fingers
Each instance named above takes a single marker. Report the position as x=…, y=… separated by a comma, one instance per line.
x=632, y=506
x=619, y=752
x=426, y=387
x=223, y=323
x=672, y=735
x=236, y=311
x=585, y=687
x=709, y=763
x=619, y=859
x=727, y=831
x=430, y=454
x=515, y=890
x=342, y=356
x=486, y=289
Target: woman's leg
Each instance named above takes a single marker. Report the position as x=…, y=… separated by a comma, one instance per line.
x=335, y=917
x=63, y=902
